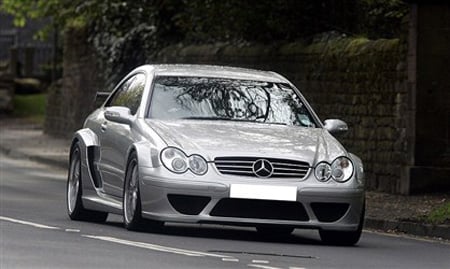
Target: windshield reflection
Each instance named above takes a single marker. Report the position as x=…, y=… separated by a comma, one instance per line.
x=227, y=99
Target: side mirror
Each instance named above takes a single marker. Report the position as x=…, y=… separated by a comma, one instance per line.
x=100, y=98
x=335, y=126
x=119, y=114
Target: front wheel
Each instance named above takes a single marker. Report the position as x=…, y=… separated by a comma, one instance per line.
x=75, y=208
x=132, y=209
x=132, y=218
x=343, y=238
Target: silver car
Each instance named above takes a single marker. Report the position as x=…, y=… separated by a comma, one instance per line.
x=213, y=144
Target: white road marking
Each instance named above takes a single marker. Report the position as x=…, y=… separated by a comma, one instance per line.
x=297, y=267
x=186, y=252
x=156, y=247
x=262, y=266
x=47, y=175
x=260, y=261
x=230, y=260
x=72, y=230
x=37, y=225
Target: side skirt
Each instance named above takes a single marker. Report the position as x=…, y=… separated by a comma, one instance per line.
x=103, y=203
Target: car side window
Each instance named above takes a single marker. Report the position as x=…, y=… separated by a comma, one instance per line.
x=129, y=94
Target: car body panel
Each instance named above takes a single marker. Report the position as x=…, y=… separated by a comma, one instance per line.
x=212, y=139
x=106, y=147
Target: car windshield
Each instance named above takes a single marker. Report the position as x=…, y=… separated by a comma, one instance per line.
x=202, y=98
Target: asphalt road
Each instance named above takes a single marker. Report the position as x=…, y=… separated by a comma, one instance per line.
x=35, y=232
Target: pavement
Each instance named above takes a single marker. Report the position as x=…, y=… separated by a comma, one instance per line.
x=385, y=212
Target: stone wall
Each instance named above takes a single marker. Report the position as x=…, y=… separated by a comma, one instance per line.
x=72, y=99
x=429, y=84
x=360, y=81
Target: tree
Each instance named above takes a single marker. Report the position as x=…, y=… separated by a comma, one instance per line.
x=128, y=33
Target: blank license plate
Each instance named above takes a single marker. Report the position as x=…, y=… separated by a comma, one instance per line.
x=263, y=192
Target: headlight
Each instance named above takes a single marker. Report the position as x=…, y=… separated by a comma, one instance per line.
x=176, y=161
x=341, y=169
x=322, y=172
x=198, y=165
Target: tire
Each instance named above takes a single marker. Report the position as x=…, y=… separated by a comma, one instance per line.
x=343, y=238
x=274, y=231
x=131, y=203
x=74, y=190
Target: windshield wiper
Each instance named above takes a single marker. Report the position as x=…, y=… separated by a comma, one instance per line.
x=230, y=119
x=205, y=118
x=278, y=123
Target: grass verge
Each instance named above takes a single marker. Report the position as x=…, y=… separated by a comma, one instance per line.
x=30, y=106
x=440, y=215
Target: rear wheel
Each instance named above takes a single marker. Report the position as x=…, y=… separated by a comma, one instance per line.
x=75, y=208
x=343, y=238
x=132, y=210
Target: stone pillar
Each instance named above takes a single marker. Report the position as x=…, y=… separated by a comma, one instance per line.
x=429, y=85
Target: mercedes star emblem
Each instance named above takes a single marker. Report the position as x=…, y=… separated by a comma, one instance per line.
x=262, y=168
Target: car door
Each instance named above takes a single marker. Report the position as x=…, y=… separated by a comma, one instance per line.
x=116, y=137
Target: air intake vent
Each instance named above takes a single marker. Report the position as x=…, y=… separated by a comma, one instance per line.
x=260, y=209
x=243, y=166
x=188, y=204
x=329, y=212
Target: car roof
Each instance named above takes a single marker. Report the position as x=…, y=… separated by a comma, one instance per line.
x=215, y=71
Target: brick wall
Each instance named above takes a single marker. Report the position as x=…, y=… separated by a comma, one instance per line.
x=360, y=81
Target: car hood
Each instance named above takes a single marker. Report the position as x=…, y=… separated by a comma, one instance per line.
x=232, y=138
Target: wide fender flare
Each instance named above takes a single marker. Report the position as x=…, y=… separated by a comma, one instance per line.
x=359, y=169
x=86, y=137
x=147, y=154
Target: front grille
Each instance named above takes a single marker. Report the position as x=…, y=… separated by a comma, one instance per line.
x=243, y=166
x=260, y=209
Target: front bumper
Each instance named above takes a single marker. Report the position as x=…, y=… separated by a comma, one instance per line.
x=185, y=198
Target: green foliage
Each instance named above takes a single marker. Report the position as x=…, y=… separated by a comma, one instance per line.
x=31, y=106
x=383, y=17
x=128, y=33
x=59, y=10
x=440, y=215
x=262, y=20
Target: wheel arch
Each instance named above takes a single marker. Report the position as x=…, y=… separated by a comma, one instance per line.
x=85, y=136
x=86, y=139
x=146, y=154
